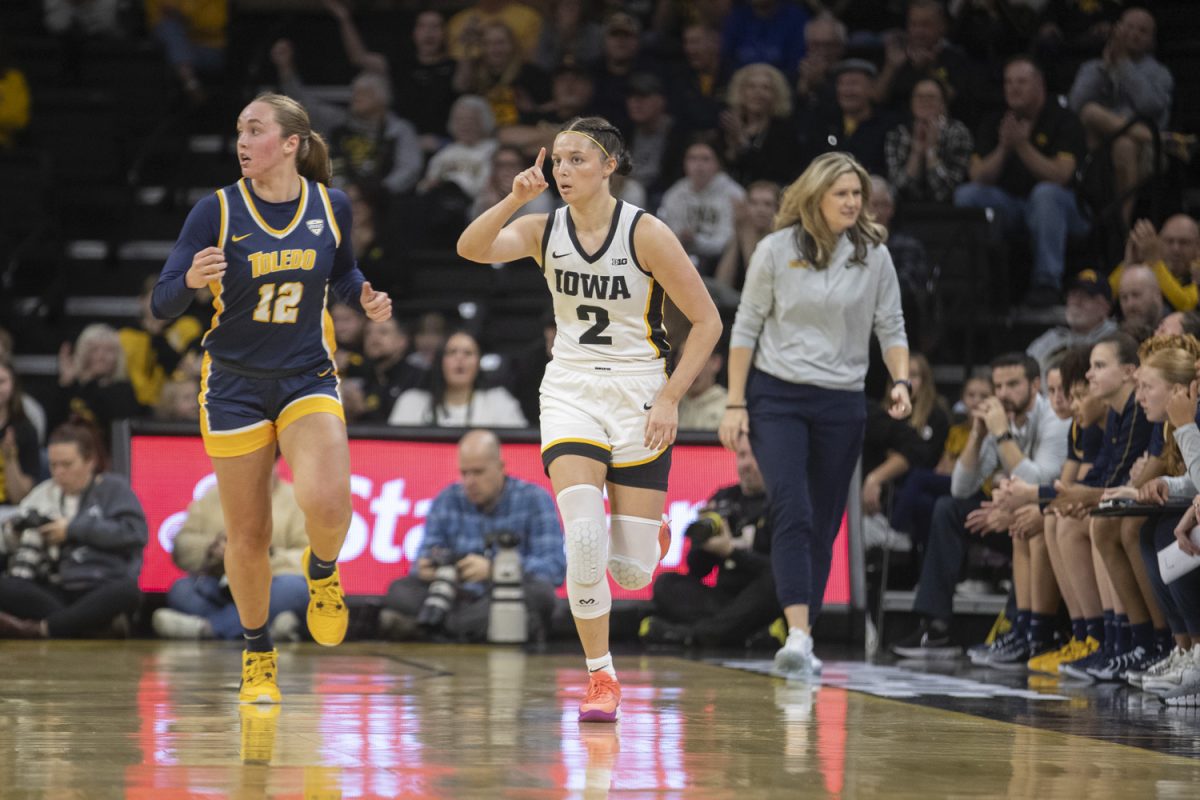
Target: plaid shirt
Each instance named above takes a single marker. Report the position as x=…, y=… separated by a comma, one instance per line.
x=938, y=184
x=524, y=508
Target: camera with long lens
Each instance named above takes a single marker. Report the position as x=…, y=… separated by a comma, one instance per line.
x=30, y=559
x=506, y=615
x=708, y=523
x=443, y=589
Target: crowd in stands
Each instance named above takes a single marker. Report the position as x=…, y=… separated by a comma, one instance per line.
x=722, y=104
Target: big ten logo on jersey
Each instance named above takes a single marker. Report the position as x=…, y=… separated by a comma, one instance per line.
x=598, y=287
x=280, y=261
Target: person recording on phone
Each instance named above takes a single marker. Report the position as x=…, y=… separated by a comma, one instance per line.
x=471, y=525
x=732, y=535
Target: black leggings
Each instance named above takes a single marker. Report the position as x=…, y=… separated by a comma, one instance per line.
x=69, y=614
x=1180, y=599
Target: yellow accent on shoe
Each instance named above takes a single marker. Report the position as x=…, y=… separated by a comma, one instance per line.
x=1001, y=626
x=259, y=672
x=1048, y=662
x=779, y=630
x=644, y=628
x=328, y=616
x=259, y=726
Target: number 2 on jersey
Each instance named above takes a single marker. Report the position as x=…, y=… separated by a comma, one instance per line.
x=592, y=334
x=286, y=300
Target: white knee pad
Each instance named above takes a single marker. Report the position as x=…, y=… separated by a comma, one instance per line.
x=634, y=551
x=586, y=537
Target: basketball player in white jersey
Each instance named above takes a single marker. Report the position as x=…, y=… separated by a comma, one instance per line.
x=609, y=406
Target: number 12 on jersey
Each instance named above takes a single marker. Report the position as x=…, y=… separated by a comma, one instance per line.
x=286, y=299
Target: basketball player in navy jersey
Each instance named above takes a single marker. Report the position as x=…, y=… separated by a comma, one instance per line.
x=609, y=407
x=270, y=247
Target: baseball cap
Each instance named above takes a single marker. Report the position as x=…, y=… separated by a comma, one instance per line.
x=1092, y=282
x=853, y=65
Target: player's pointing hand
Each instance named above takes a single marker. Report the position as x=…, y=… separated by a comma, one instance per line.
x=376, y=305
x=531, y=182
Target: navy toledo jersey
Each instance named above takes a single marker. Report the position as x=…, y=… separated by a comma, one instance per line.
x=270, y=304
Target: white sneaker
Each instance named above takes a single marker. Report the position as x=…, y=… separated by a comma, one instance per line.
x=1164, y=674
x=171, y=624
x=285, y=627
x=1188, y=692
x=796, y=656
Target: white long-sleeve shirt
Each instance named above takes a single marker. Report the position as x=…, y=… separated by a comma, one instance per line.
x=706, y=213
x=1043, y=440
x=814, y=326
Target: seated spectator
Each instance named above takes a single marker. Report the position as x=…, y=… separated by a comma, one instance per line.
x=457, y=173
x=700, y=84
x=428, y=339
x=367, y=142
x=923, y=51
x=75, y=574
x=465, y=28
x=153, y=348
x=824, y=46
x=1022, y=169
x=655, y=140
x=425, y=75
x=570, y=96
x=14, y=101
x=200, y=605
x=456, y=397
x=1142, y=306
x=915, y=498
x=1089, y=306
x=1014, y=433
x=753, y=218
x=854, y=125
x=507, y=163
x=385, y=374
x=460, y=530
x=892, y=447
x=32, y=408
x=495, y=69
x=20, y=456
x=758, y=139
x=732, y=534
x=765, y=32
x=569, y=38
x=193, y=34
x=1179, y=323
x=1125, y=82
x=179, y=401
x=699, y=207
x=927, y=158
x=93, y=381
x=1173, y=254
x=621, y=58
x=348, y=326
x=703, y=404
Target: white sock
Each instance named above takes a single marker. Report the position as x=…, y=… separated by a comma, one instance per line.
x=604, y=662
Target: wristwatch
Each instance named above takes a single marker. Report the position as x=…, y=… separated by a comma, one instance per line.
x=1007, y=436
x=906, y=383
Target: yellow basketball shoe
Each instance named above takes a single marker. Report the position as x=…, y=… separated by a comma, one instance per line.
x=1048, y=662
x=258, y=677
x=328, y=616
x=259, y=725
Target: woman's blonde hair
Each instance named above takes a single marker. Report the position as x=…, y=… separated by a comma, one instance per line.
x=1175, y=358
x=801, y=207
x=312, y=157
x=782, y=107
x=926, y=397
x=96, y=334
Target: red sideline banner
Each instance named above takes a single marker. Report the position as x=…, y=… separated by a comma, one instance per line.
x=393, y=484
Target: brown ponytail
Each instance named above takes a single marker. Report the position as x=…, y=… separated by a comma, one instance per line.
x=312, y=157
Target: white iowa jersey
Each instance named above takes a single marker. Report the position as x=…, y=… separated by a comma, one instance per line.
x=608, y=309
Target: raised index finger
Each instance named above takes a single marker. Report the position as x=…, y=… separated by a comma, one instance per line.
x=541, y=157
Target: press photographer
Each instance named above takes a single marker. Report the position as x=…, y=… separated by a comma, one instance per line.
x=82, y=574
x=731, y=534
x=488, y=536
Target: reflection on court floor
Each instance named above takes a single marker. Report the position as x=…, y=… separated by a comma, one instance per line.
x=159, y=721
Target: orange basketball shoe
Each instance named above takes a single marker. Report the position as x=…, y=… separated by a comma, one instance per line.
x=602, y=703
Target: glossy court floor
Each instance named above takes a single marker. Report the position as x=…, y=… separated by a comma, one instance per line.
x=159, y=721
